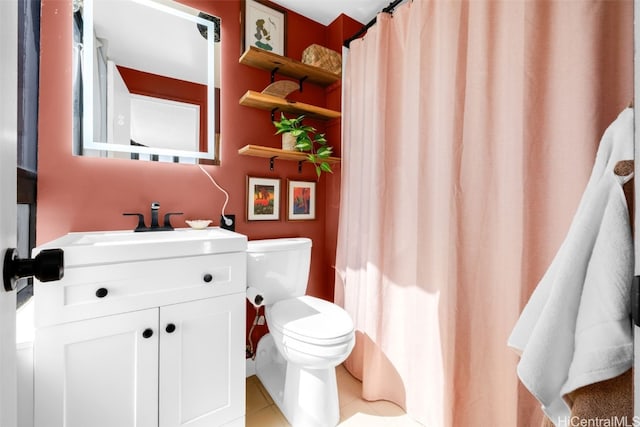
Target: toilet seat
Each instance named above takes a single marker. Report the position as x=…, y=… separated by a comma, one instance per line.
x=311, y=320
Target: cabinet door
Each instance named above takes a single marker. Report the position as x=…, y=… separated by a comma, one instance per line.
x=202, y=362
x=100, y=372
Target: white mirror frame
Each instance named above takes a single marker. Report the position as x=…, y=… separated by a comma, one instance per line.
x=88, y=142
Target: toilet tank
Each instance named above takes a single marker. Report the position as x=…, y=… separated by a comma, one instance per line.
x=279, y=268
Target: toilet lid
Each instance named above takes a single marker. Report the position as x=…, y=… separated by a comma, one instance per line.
x=311, y=319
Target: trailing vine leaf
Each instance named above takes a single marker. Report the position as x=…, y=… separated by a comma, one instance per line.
x=324, y=152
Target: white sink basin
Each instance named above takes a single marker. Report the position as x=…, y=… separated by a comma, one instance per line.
x=107, y=247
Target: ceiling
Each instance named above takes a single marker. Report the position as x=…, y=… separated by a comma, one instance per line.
x=325, y=11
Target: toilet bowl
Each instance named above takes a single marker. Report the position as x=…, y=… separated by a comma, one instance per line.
x=311, y=332
x=296, y=362
x=308, y=336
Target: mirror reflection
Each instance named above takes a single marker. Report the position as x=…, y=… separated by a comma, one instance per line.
x=146, y=81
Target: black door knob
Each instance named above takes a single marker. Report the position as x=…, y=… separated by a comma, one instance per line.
x=147, y=333
x=47, y=266
x=170, y=328
x=102, y=292
x=207, y=278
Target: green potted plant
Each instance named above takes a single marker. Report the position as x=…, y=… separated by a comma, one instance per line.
x=307, y=140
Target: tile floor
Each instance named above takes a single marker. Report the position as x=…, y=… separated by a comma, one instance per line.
x=354, y=411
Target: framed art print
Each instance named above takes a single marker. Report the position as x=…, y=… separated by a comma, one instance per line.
x=301, y=200
x=263, y=199
x=263, y=26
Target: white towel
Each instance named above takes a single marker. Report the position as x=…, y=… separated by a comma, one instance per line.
x=576, y=328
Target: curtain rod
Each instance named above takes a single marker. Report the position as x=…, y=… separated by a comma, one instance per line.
x=388, y=9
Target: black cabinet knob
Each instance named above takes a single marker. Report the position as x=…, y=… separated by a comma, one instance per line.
x=102, y=292
x=207, y=278
x=147, y=333
x=170, y=328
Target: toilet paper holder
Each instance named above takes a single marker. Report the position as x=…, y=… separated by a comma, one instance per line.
x=255, y=297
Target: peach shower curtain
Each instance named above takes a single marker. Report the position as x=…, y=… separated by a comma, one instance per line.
x=470, y=129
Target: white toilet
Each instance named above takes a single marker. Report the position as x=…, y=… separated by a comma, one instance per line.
x=308, y=336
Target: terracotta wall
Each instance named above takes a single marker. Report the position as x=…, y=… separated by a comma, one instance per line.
x=86, y=194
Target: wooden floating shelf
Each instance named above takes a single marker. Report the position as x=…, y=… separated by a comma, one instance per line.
x=270, y=153
x=269, y=102
x=260, y=58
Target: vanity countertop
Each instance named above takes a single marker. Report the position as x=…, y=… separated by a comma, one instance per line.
x=108, y=247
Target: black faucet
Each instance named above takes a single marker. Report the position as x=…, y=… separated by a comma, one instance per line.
x=155, y=207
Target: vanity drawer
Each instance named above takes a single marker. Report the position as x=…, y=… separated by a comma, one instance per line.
x=101, y=290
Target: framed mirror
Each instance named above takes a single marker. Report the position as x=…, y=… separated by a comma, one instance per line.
x=146, y=81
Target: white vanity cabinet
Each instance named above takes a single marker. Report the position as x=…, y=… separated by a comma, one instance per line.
x=149, y=343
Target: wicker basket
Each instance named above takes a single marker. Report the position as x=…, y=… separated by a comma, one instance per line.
x=322, y=57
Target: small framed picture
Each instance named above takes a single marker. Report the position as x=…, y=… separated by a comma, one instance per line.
x=263, y=26
x=301, y=200
x=263, y=199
